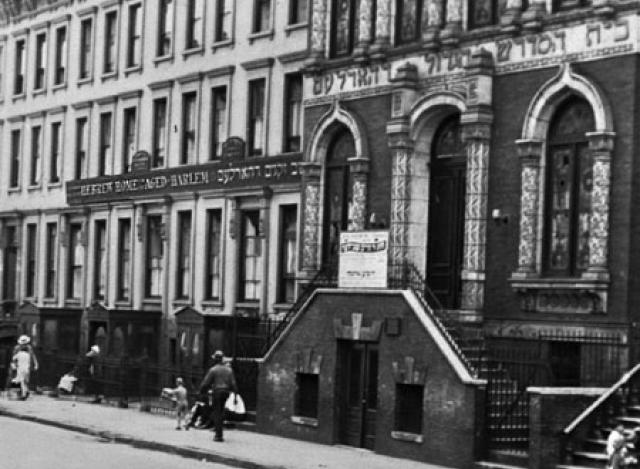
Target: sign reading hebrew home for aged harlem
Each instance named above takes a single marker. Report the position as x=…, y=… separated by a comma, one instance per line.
x=363, y=259
x=250, y=172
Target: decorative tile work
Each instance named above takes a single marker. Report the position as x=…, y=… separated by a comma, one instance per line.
x=311, y=226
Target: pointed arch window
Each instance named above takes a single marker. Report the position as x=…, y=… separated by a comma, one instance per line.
x=569, y=180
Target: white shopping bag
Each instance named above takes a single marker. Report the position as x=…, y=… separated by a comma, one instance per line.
x=235, y=404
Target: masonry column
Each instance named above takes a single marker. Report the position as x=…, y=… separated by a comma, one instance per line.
x=359, y=169
x=451, y=32
x=530, y=153
x=532, y=18
x=311, y=221
x=433, y=11
x=383, y=34
x=264, y=229
x=365, y=21
x=601, y=147
x=318, y=33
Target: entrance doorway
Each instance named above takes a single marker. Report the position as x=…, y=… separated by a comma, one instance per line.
x=358, y=393
x=446, y=214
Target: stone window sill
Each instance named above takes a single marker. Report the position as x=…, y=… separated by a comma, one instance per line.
x=50, y=301
x=72, y=302
x=34, y=187
x=133, y=69
x=163, y=58
x=193, y=51
x=38, y=92
x=587, y=294
x=406, y=436
x=179, y=302
x=14, y=190
x=109, y=75
x=212, y=303
x=85, y=81
x=54, y=185
x=305, y=421
x=260, y=35
x=19, y=96
x=122, y=304
x=295, y=27
x=220, y=44
x=59, y=86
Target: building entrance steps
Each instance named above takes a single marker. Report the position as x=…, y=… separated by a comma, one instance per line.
x=241, y=448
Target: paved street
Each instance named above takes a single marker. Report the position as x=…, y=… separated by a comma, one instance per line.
x=241, y=448
x=27, y=445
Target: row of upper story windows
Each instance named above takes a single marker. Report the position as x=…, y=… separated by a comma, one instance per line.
x=170, y=24
x=103, y=144
x=62, y=256
x=413, y=19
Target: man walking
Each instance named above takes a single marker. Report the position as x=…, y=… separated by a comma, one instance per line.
x=221, y=381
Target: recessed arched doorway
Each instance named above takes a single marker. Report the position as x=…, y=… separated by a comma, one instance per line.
x=337, y=193
x=446, y=212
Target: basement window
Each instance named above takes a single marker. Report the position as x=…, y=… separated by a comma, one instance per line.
x=306, y=400
x=409, y=408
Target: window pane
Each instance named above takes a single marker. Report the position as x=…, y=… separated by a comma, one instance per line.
x=343, y=31
x=159, y=132
x=85, y=48
x=584, y=205
x=408, y=26
x=561, y=182
x=51, y=260
x=409, y=407
x=218, y=120
x=35, y=154
x=124, y=258
x=55, y=152
x=189, y=128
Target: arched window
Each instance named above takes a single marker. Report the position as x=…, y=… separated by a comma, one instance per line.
x=337, y=192
x=569, y=180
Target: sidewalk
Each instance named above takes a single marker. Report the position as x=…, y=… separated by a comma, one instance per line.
x=241, y=448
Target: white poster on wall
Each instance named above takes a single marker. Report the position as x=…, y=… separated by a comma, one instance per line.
x=363, y=259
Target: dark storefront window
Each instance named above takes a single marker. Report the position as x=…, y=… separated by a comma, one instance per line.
x=214, y=250
x=155, y=255
x=256, y=123
x=10, y=263
x=124, y=258
x=293, y=112
x=251, y=259
x=105, y=143
x=409, y=21
x=100, y=260
x=159, y=132
x=409, y=404
x=50, y=281
x=75, y=262
x=31, y=260
x=568, y=190
x=306, y=398
x=218, y=120
x=288, y=253
x=183, y=273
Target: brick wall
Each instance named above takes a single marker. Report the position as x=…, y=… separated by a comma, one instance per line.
x=451, y=412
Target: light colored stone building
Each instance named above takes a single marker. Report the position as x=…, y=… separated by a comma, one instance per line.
x=149, y=162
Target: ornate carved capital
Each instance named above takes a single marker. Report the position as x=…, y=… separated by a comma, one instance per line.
x=530, y=151
x=601, y=142
x=476, y=131
x=398, y=134
x=310, y=170
x=359, y=165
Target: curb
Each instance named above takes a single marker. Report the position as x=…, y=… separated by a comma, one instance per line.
x=187, y=452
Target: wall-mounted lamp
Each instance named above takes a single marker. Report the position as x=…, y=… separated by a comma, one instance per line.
x=499, y=217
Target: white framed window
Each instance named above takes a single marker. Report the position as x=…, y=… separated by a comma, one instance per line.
x=134, y=35
x=110, y=34
x=194, y=27
x=223, y=21
x=60, y=34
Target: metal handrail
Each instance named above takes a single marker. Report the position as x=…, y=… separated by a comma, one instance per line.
x=589, y=411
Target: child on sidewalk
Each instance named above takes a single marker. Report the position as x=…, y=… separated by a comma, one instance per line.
x=179, y=396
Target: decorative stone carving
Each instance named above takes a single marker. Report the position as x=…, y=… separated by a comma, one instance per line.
x=530, y=153
x=318, y=32
x=561, y=300
x=311, y=225
x=601, y=147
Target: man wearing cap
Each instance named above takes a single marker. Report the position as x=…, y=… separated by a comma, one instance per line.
x=221, y=381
